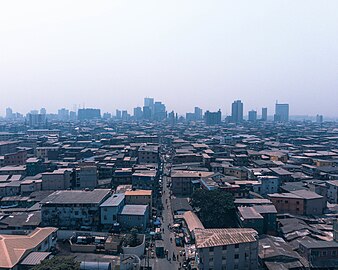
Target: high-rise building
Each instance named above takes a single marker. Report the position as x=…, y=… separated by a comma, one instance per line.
x=264, y=114
x=252, y=116
x=118, y=114
x=36, y=120
x=106, y=115
x=43, y=111
x=9, y=113
x=319, y=118
x=213, y=118
x=149, y=102
x=146, y=113
x=159, y=112
x=281, y=113
x=237, y=111
x=63, y=114
x=198, y=113
x=125, y=115
x=138, y=114
x=88, y=114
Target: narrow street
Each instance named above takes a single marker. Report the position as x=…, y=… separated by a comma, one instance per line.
x=167, y=221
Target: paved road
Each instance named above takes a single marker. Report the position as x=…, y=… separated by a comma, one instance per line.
x=163, y=263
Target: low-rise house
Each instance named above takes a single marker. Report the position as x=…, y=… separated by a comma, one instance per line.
x=140, y=197
x=59, y=179
x=15, y=248
x=332, y=191
x=111, y=208
x=249, y=218
x=298, y=202
x=320, y=254
x=134, y=216
x=144, y=179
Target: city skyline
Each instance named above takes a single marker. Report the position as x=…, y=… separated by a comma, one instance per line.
x=110, y=55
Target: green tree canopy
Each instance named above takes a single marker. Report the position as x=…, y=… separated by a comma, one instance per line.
x=216, y=208
x=58, y=263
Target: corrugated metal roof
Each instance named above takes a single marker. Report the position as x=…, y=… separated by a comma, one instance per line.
x=221, y=237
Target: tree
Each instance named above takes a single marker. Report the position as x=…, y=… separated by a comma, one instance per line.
x=58, y=263
x=215, y=208
x=132, y=239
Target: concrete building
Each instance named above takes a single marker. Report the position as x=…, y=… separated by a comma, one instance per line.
x=73, y=209
x=86, y=176
x=281, y=112
x=298, y=202
x=182, y=181
x=140, y=197
x=213, y=118
x=148, y=154
x=88, y=114
x=111, y=208
x=320, y=254
x=226, y=248
x=237, y=111
x=134, y=216
x=144, y=179
x=60, y=179
x=264, y=114
x=332, y=191
x=252, y=117
x=249, y=218
x=15, y=248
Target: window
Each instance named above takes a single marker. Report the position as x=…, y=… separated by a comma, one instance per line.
x=236, y=256
x=224, y=247
x=236, y=245
x=286, y=201
x=211, y=249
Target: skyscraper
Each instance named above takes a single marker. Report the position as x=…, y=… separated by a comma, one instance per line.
x=252, y=115
x=281, y=113
x=138, y=113
x=237, y=111
x=198, y=113
x=213, y=118
x=9, y=113
x=264, y=114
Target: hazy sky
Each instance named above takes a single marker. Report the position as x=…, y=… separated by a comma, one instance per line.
x=111, y=54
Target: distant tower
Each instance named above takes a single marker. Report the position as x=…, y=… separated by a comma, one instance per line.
x=281, y=112
x=237, y=111
x=9, y=113
x=253, y=116
x=264, y=114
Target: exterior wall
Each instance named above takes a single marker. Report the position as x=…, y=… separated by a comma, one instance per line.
x=56, y=181
x=256, y=224
x=289, y=205
x=268, y=185
x=319, y=254
x=314, y=206
x=241, y=256
x=332, y=193
x=131, y=221
x=87, y=177
x=140, y=199
x=109, y=215
x=17, y=158
x=70, y=216
x=182, y=185
x=143, y=182
x=148, y=157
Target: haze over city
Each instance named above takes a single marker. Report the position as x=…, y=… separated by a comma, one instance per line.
x=110, y=54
